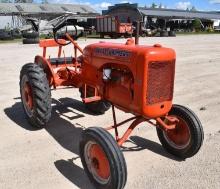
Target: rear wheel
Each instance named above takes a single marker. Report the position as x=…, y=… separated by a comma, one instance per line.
x=102, y=159
x=186, y=139
x=164, y=34
x=172, y=33
x=31, y=41
x=35, y=94
x=30, y=35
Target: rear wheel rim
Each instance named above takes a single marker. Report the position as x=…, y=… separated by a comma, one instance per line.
x=27, y=96
x=97, y=162
x=180, y=137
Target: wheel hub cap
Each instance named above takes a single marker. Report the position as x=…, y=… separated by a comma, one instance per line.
x=180, y=136
x=97, y=162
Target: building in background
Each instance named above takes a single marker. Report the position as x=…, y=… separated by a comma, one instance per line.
x=10, y=13
x=161, y=17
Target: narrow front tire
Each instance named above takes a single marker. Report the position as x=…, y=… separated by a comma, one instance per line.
x=102, y=159
x=186, y=139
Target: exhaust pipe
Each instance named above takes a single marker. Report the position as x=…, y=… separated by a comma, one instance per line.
x=137, y=32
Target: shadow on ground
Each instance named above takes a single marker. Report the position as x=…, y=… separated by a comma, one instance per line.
x=73, y=173
x=63, y=131
x=145, y=144
x=68, y=136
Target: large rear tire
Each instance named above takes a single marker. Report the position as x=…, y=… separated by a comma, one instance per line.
x=102, y=159
x=30, y=35
x=186, y=139
x=35, y=94
x=164, y=34
x=31, y=41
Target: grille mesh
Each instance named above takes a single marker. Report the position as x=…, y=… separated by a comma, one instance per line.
x=160, y=82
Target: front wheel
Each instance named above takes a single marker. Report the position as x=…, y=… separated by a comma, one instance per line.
x=186, y=139
x=102, y=159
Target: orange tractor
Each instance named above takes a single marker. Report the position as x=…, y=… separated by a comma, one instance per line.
x=134, y=78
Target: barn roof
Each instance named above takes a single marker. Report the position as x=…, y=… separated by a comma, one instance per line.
x=166, y=13
x=174, y=13
x=50, y=9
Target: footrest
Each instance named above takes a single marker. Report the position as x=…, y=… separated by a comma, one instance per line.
x=91, y=99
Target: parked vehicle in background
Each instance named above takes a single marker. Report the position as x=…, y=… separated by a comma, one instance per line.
x=30, y=31
x=111, y=26
x=216, y=25
x=5, y=35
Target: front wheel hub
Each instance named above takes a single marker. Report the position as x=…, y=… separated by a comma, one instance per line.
x=179, y=137
x=97, y=162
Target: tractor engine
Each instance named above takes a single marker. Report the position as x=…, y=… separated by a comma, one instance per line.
x=137, y=79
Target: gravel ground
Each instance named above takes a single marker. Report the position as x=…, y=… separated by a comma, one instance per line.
x=48, y=158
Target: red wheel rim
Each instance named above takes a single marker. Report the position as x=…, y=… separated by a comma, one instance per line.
x=28, y=97
x=180, y=136
x=97, y=162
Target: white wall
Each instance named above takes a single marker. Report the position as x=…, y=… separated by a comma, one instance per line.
x=4, y=20
x=216, y=23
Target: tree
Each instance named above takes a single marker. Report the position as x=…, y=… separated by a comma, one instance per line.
x=44, y=2
x=154, y=5
x=196, y=24
x=193, y=8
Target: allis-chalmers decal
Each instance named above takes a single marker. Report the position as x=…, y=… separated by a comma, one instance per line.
x=112, y=52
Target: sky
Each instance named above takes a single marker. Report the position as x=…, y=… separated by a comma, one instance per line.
x=180, y=4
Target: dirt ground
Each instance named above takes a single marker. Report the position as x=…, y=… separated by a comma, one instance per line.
x=48, y=158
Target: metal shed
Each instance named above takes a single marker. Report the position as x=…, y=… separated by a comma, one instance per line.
x=43, y=11
x=136, y=13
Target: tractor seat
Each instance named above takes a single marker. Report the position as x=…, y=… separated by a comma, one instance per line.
x=59, y=61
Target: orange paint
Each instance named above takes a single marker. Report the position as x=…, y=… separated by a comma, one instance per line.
x=100, y=161
x=140, y=81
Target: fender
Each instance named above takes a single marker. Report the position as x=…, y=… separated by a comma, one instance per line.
x=43, y=62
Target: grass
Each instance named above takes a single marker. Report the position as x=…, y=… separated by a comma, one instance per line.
x=98, y=37
x=10, y=41
x=197, y=33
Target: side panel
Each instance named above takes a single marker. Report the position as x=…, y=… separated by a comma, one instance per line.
x=105, y=19
x=106, y=24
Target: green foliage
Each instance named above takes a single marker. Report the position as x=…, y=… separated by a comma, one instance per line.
x=154, y=5
x=193, y=9
x=196, y=24
x=44, y=1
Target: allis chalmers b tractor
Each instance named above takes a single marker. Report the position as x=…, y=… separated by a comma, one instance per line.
x=134, y=78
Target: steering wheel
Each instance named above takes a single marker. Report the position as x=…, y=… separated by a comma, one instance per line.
x=65, y=23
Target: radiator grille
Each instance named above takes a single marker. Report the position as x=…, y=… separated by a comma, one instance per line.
x=160, y=82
